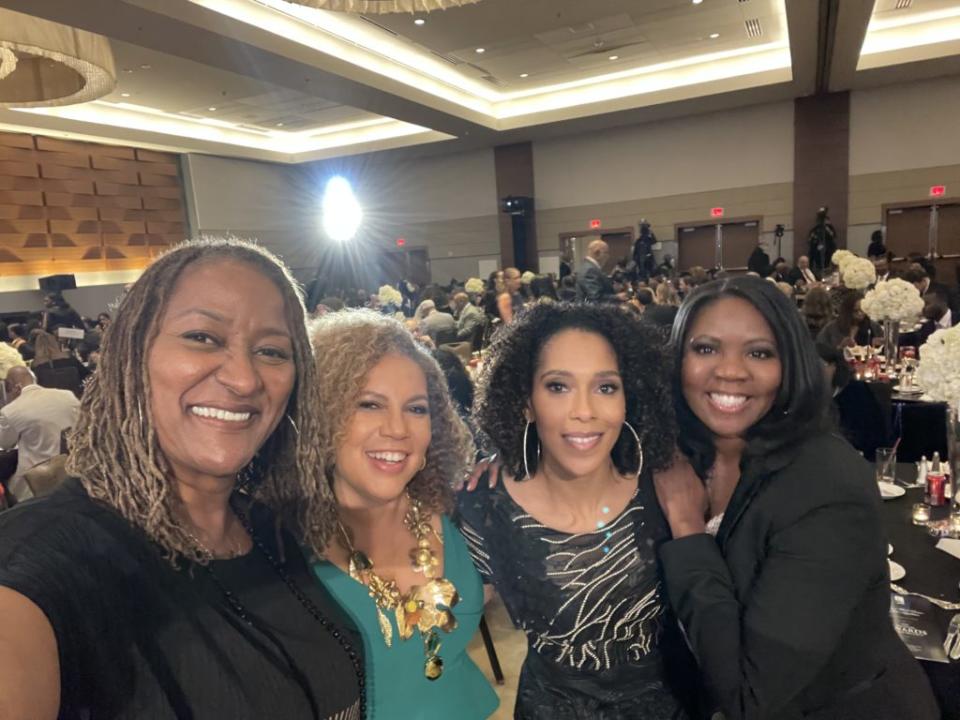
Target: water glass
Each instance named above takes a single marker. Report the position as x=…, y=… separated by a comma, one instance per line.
x=886, y=464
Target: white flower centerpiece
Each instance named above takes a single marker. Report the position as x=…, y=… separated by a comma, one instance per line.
x=474, y=286
x=858, y=273
x=10, y=357
x=841, y=258
x=390, y=298
x=892, y=302
x=939, y=375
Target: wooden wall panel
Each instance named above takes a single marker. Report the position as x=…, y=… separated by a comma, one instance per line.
x=68, y=207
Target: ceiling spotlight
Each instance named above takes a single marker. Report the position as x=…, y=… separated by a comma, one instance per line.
x=614, y=57
x=481, y=51
x=144, y=67
x=124, y=94
x=128, y=70
x=419, y=21
x=212, y=109
x=714, y=36
x=524, y=75
x=279, y=124
x=697, y=2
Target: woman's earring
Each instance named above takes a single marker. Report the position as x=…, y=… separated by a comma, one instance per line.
x=296, y=430
x=639, y=448
x=526, y=467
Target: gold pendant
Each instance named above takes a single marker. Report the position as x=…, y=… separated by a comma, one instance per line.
x=433, y=668
x=385, y=627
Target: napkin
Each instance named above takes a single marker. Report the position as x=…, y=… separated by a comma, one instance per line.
x=950, y=546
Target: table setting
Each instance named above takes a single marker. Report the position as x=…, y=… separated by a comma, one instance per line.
x=924, y=559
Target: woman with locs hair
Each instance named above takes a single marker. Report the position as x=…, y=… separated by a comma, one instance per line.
x=778, y=565
x=392, y=444
x=576, y=399
x=165, y=578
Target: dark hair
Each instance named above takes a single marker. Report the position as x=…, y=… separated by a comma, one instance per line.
x=915, y=275
x=4, y=334
x=645, y=296
x=542, y=286
x=934, y=307
x=848, y=306
x=799, y=408
x=504, y=389
x=458, y=381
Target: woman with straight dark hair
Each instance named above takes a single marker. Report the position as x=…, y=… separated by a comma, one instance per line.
x=852, y=326
x=778, y=568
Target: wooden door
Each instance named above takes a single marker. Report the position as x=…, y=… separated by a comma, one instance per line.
x=621, y=247
x=948, y=231
x=739, y=241
x=908, y=230
x=697, y=246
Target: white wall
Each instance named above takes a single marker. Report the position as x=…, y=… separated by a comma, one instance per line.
x=737, y=148
x=446, y=203
x=902, y=127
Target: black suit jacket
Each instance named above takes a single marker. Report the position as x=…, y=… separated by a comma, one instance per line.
x=593, y=284
x=787, y=610
x=949, y=296
x=795, y=275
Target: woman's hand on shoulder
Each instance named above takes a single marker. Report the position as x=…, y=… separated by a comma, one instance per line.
x=682, y=497
x=490, y=465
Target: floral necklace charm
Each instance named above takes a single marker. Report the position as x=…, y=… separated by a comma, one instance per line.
x=426, y=607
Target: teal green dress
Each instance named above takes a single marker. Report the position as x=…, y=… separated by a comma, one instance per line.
x=396, y=685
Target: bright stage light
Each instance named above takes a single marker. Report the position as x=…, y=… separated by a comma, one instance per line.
x=342, y=213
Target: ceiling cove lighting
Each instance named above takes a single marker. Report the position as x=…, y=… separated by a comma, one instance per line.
x=341, y=212
x=383, y=7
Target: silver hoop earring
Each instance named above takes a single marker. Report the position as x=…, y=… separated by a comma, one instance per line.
x=296, y=430
x=526, y=467
x=639, y=448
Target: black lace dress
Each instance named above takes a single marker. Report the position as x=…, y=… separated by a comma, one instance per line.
x=601, y=642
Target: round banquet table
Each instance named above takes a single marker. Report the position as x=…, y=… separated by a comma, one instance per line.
x=930, y=572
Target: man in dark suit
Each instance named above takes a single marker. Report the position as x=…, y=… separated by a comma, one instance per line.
x=593, y=284
x=929, y=286
x=801, y=274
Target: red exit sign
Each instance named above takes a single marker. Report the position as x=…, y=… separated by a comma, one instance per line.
x=938, y=190
x=401, y=242
x=716, y=212
x=594, y=224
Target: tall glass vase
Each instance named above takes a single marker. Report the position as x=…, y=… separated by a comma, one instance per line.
x=891, y=341
x=953, y=446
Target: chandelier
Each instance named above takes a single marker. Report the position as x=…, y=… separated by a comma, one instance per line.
x=382, y=7
x=43, y=63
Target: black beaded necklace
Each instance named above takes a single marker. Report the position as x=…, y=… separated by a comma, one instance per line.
x=241, y=611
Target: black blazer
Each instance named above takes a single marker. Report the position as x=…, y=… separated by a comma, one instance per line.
x=787, y=610
x=593, y=284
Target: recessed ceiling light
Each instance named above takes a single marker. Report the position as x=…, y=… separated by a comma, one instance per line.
x=144, y=67
x=124, y=94
x=212, y=109
x=697, y=2
x=481, y=51
x=419, y=21
x=714, y=36
x=614, y=57
x=279, y=124
x=524, y=75
x=128, y=70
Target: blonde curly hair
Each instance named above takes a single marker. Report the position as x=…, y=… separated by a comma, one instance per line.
x=347, y=346
x=114, y=449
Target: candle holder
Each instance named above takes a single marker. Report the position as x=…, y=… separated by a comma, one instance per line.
x=921, y=514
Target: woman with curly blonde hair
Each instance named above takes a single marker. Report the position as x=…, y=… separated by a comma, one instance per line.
x=164, y=579
x=392, y=446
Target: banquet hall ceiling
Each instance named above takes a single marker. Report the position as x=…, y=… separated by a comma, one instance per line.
x=267, y=79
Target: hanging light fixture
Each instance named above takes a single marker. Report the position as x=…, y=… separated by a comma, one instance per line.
x=382, y=7
x=44, y=64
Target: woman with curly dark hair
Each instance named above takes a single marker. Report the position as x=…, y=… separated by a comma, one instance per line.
x=576, y=398
x=392, y=444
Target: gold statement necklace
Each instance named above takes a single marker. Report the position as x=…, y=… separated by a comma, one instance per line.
x=427, y=607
